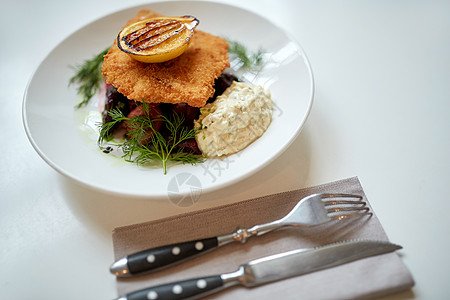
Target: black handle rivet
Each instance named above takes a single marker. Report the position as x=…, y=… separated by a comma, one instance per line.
x=151, y=258
x=177, y=289
x=176, y=250
x=152, y=295
x=199, y=246
x=201, y=284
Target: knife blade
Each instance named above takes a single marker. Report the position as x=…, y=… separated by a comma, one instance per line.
x=268, y=269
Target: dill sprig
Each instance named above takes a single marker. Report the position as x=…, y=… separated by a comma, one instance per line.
x=105, y=133
x=249, y=61
x=88, y=76
x=158, y=148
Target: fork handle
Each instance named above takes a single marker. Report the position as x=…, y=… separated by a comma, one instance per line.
x=156, y=258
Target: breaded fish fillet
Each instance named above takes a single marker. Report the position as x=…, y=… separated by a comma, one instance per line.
x=188, y=78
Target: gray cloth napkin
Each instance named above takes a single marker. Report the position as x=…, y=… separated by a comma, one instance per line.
x=367, y=278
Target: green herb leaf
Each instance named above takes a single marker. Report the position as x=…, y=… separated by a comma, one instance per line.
x=105, y=129
x=158, y=148
x=88, y=77
x=250, y=61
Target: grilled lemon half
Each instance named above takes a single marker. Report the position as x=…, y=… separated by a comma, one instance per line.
x=158, y=39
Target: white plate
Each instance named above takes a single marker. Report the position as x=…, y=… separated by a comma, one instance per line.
x=61, y=136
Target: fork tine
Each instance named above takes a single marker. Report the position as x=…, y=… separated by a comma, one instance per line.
x=343, y=202
x=345, y=199
x=348, y=209
x=348, y=216
x=328, y=196
x=348, y=206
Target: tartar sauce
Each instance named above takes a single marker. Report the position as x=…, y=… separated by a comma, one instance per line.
x=234, y=120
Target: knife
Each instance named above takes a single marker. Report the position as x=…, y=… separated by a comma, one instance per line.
x=268, y=269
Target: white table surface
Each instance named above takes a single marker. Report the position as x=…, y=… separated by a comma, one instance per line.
x=382, y=71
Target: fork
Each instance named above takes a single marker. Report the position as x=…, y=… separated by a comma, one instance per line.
x=312, y=210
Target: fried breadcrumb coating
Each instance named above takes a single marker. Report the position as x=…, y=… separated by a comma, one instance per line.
x=188, y=78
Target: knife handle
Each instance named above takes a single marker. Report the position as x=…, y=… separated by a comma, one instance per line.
x=191, y=288
x=155, y=258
